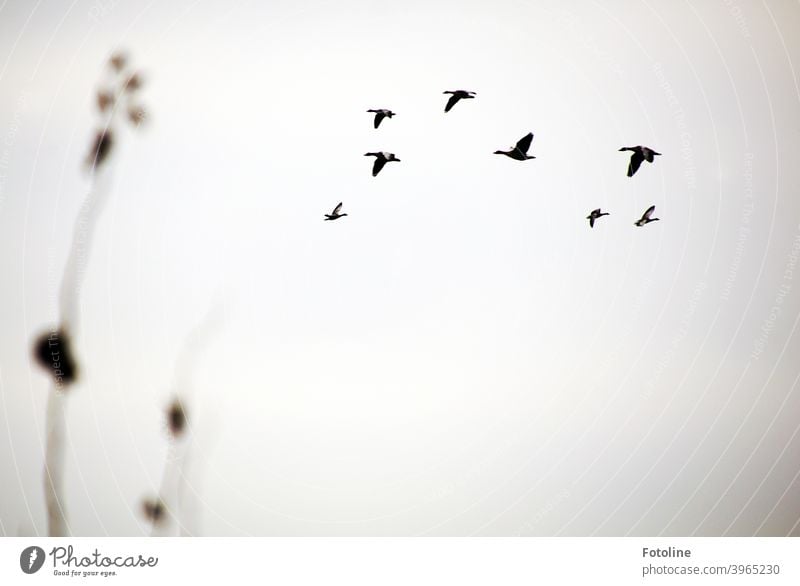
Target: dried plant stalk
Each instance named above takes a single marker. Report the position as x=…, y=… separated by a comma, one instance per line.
x=54, y=352
x=172, y=477
x=55, y=422
x=173, y=493
x=55, y=456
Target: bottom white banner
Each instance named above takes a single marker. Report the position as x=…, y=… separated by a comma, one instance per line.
x=407, y=561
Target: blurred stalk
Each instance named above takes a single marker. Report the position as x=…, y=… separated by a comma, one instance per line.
x=54, y=352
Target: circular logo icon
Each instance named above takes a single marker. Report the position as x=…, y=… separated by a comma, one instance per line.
x=31, y=559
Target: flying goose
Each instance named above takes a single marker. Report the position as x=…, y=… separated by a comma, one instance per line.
x=456, y=96
x=640, y=153
x=381, y=159
x=520, y=151
x=381, y=114
x=594, y=215
x=335, y=215
x=646, y=219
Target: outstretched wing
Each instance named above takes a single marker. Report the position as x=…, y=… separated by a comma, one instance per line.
x=649, y=154
x=596, y=212
x=378, y=117
x=591, y=220
x=379, y=163
x=636, y=161
x=451, y=102
x=337, y=209
x=524, y=143
x=649, y=212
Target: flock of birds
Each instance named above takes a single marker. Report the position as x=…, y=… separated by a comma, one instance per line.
x=519, y=152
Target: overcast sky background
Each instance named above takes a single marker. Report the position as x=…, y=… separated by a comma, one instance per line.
x=461, y=354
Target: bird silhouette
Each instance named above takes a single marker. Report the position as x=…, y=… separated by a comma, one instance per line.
x=381, y=114
x=640, y=153
x=381, y=158
x=520, y=151
x=335, y=215
x=594, y=215
x=646, y=219
x=456, y=96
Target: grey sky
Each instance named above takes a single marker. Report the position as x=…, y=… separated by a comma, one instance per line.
x=461, y=354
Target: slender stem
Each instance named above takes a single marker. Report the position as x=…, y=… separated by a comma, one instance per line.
x=174, y=492
x=54, y=465
x=55, y=420
x=101, y=160
x=82, y=236
x=187, y=522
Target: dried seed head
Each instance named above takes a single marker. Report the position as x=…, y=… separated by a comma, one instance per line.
x=101, y=148
x=176, y=417
x=105, y=100
x=137, y=115
x=118, y=61
x=52, y=351
x=133, y=83
x=154, y=510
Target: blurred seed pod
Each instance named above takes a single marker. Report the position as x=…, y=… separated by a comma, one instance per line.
x=105, y=100
x=53, y=352
x=118, y=61
x=137, y=115
x=176, y=418
x=133, y=83
x=101, y=148
x=154, y=510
